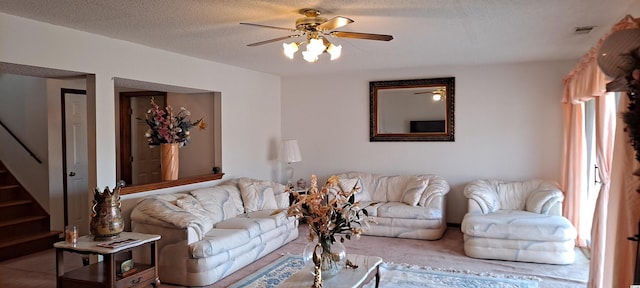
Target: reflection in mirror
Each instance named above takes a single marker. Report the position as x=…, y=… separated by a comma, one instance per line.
x=412, y=110
x=139, y=164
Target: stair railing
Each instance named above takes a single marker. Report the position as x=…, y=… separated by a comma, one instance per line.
x=20, y=142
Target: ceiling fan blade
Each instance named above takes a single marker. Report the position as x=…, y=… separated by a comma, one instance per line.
x=356, y=35
x=334, y=23
x=267, y=26
x=272, y=40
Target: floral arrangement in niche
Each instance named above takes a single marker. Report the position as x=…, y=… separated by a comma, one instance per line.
x=632, y=116
x=328, y=216
x=167, y=126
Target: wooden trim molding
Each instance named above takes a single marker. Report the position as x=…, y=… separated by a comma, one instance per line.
x=173, y=183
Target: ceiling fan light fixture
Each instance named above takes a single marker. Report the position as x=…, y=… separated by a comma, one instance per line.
x=290, y=49
x=334, y=51
x=314, y=27
x=316, y=46
x=309, y=56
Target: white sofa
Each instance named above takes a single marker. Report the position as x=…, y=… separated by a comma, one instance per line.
x=517, y=221
x=408, y=206
x=209, y=233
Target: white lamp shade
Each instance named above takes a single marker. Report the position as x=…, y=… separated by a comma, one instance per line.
x=289, y=151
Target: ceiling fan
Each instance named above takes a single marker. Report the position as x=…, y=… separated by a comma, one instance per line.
x=315, y=28
x=438, y=93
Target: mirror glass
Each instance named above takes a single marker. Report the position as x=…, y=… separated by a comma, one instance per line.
x=412, y=110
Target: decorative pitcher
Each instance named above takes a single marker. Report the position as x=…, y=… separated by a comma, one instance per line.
x=106, y=217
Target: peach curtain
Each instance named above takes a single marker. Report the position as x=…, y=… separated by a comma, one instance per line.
x=586, y=82
x=605, y=126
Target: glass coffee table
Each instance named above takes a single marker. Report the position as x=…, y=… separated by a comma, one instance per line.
x=346, y=278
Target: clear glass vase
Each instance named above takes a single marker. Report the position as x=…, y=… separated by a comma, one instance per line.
x=334, y=257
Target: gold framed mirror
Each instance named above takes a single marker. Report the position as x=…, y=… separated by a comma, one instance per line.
x=412, y=110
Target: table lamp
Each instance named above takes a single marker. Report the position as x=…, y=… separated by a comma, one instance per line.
x=290, y=153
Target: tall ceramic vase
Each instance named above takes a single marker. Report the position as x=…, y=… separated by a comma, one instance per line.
x=169, y=161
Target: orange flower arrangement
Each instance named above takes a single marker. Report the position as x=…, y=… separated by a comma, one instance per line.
x=330, y=211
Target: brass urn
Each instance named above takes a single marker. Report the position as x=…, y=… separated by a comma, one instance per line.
x=106, y=217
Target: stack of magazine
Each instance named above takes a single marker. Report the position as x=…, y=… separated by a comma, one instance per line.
x=118, y=243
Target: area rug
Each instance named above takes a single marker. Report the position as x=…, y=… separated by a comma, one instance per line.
x=406, y=275
x=273, y=274
x=392, y=275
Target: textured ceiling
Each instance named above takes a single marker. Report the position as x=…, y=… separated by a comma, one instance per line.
x=426, y=32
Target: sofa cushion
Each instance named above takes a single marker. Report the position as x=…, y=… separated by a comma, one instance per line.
x=518, y=225
x=372, y=210
x=389, y=188
x=219, y=240
x=192, y=205
x=402, y=210
x=281, y=194
x=413, y=191
x=513, y=195
x=221, y=202
x=279, y=219
x=254, y=226
x=257, y=195
x=161, y=210
x=348, y=184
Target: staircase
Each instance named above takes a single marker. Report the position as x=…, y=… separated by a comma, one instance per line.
x=24, y=224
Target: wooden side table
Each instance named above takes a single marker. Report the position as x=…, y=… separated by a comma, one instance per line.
x=104, y=274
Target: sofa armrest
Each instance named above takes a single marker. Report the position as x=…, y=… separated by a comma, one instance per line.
x=482, y=197
x=437, y=188
x=547, y=200
x=162, y=213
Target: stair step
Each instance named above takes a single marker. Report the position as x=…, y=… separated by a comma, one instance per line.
x=21, y=220
x=14, y=203
x=24, y=223
x=28, y=244
x=32, y=237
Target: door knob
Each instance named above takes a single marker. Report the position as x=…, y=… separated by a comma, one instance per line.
x=71, y=174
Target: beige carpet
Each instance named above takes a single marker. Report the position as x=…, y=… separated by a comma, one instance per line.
x=447, y=252
x=38, y=270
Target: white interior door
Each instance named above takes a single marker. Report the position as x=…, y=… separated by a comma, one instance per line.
x=145, y=165
x=76, y=161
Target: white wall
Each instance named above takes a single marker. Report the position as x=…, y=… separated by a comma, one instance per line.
x=508, y=125
x=200, y=150
x=29, y=123
x=250, y=100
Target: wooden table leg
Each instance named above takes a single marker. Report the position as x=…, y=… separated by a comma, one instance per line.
x=377, y=276
x=110, y=271
x=59, y=266
x=154, y=262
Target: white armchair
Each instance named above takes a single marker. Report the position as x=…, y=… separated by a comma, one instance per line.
x=517, y=221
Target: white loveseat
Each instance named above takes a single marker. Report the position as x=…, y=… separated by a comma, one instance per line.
x=408, y=206
x=517, y=221
x=209, y=233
